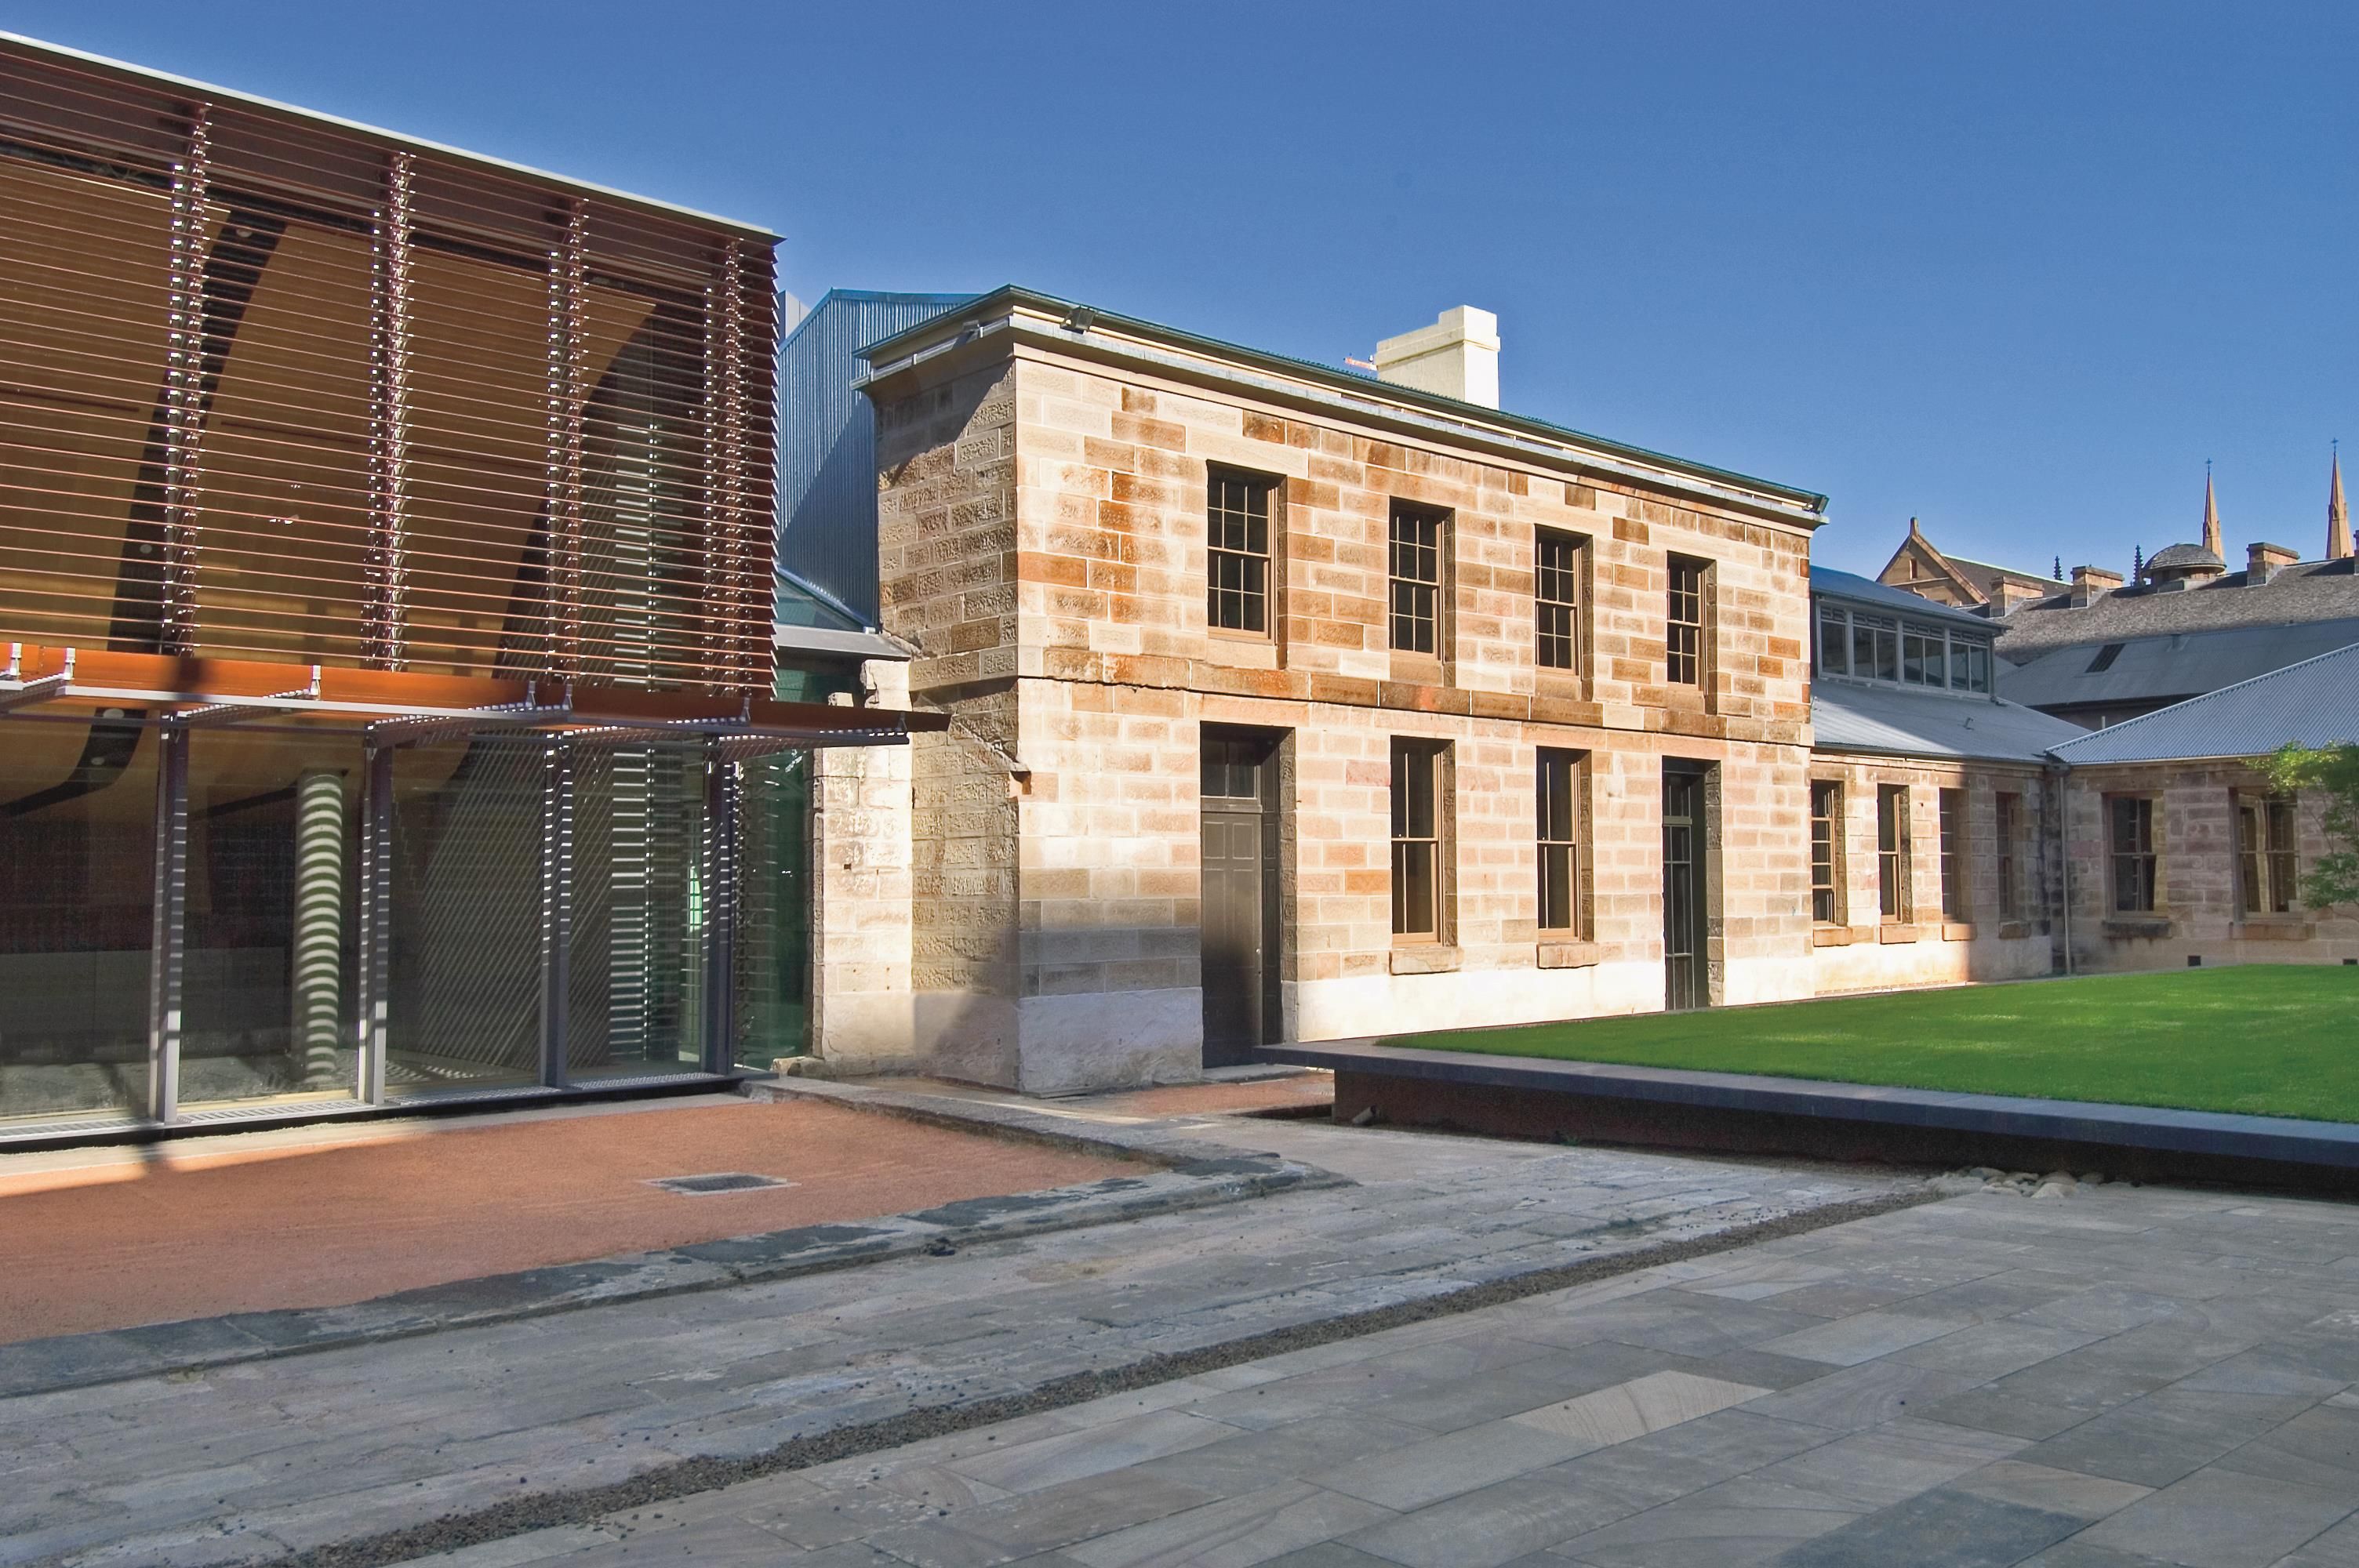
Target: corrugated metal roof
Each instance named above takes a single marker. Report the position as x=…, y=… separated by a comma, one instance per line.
x=2182, y=665
x=1900, y=720
x=2313, y=703
x=2315, y=590
x=827, y=444
x=1828, y=583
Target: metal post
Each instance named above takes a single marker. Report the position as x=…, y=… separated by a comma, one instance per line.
x=169, y=907
x=184, y=385
x=376, y=925
x=555, y=909
x=386, y=629
x=721, y=793
x=567, y=268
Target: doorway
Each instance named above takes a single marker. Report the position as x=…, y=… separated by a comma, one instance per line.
x=1240, y=920
x=1685, y=954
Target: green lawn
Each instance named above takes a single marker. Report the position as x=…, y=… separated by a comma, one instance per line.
x=2272, y=1040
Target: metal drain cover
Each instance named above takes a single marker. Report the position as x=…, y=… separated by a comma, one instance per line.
x=719, y=1182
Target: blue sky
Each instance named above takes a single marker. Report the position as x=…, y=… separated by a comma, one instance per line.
x=2019, y=270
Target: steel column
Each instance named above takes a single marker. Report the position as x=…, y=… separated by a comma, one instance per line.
x=386, y=629
x=376, y=920
x=721, y=793
x=169, y=907
x=184, y=388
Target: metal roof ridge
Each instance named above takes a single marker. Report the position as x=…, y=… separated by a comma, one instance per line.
x=2178, y=709
x=1412, y=399
x=255, y=100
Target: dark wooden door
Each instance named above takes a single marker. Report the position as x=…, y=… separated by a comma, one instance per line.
x=1240, y=897
x=1684, y=893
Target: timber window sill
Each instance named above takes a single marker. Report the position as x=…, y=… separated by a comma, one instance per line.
x=1425, y=958
x=1568, y=953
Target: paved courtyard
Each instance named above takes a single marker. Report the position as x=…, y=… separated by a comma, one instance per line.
x=2122, y=1376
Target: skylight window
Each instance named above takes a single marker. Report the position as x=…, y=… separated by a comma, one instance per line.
x=2105, y=659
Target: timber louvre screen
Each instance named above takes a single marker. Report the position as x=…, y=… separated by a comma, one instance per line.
x=282, y=388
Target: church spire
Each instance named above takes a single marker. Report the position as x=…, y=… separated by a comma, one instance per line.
x=2337, y=515
x=2210, y=515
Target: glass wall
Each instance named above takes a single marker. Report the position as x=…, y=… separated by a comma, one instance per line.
x=77, y=921
x=635, y=972
x=295, y=924
x=774, y=911
x=270, y=926
x=464, y=964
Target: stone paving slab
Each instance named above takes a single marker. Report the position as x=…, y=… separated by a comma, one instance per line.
x=2232, y=1394
x=298, y=1453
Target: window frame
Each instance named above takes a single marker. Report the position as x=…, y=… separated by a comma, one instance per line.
x=1894, y=898
x=2140, y=862
x=1570, y=606
x=1950, y=817
x=2268, y=863
x=1695, y=657
x=1417, y=601
x=1827, y=852
x=2007, y=807
x=1570, y=794
x=1414, y=760
x=1268, y=489
x=1867, y=645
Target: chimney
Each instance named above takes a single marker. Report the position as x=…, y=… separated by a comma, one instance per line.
x=2263, y=562
x=2007, y=595
x=1458, y=356
x=2091, y=584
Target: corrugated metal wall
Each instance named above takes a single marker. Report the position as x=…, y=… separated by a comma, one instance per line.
x=827, y=441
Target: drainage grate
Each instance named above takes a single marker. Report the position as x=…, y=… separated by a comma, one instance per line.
x=720, y=1181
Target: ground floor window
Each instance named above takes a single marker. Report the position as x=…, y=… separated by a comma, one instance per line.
x=1892, y=870
x=2009, y=826
x=1953, y=808
x=1557, y=789
x=2130, y=829
x=1826, y=852
x=2266, y=867
x=1418, y=873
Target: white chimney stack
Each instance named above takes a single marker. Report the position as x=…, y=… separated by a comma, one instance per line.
x=1458, y=356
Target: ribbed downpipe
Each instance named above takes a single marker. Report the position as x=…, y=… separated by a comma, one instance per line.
x=319, y=923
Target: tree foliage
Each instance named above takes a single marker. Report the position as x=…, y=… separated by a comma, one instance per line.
x=2334, y=772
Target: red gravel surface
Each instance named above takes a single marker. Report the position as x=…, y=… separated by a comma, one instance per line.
x=114, y=1239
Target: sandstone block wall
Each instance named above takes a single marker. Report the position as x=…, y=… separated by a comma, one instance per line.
x=2199, y=909
x=1863, y=951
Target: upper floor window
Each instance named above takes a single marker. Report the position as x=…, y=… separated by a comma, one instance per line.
x=1683, y=621
x=2264, y=854
x=1869, y=646
x=1556, y=599
x=1236, y=578
x=1416, y=567
x=2130, y=820
x=1826, y=852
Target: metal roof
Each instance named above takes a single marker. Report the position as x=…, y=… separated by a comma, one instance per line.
x=1828, y=583
x=1909, y=722
x=2174, y=555
x=1088, y=324
x=2313, y=703
x=207, y=90
x=2181, y=665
